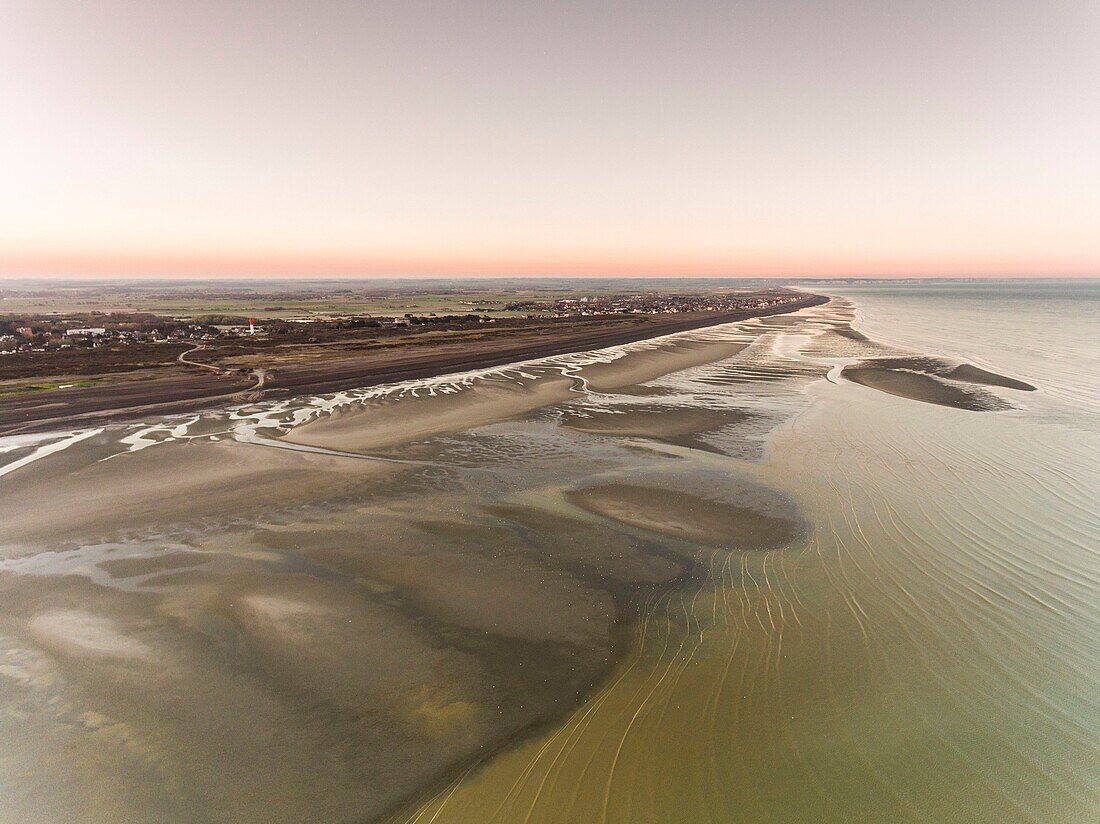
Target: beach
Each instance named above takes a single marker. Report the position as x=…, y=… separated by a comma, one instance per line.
x=316, y=370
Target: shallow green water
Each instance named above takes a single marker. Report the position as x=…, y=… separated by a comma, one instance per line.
x=930, y=653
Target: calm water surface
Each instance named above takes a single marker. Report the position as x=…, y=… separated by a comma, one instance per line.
x=931, y=653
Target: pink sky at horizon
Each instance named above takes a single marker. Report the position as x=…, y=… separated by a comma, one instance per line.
x=293, y=266
x=778, y=138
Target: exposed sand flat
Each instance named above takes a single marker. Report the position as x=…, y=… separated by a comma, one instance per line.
x=272, y=679
x=966, y=372
x=389, y=422
x=509, y=594
x=132, y=567
x=687, y=517
x=921, y=387
x=845, y=342
x=351, y=651
x=135, y=491
x=922, y=379
x=899, y=372
x=651, y=363
x=337, y=634
x=82, y=633
x=293, y=697
x=973, y=374
x=654, y=421
x=598, y=552
x=675, y=425
x=837, y=338
x=852, y=334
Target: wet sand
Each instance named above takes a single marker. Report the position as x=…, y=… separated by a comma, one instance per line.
x=679, y=426
x=312, y=670
x=972, y=374
x=344, y=618
x=650, y=363
x=390, y=422
x=198, y=483
x=195, y=483
x=931, y=380
x=691, y=518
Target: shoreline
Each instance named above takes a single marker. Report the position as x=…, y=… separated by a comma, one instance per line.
x=190, y=392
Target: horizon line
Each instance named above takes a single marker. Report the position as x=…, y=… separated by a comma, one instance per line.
x=312, y=264
x=94, y=278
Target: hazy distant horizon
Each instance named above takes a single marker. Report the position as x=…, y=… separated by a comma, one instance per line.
x=99, y=272
x=7, y=281
x=762, y=139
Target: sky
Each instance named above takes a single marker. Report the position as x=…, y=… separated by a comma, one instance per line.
x=752, y=138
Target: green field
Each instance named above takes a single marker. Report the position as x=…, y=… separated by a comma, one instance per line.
x=17, y=388
x=299, y=299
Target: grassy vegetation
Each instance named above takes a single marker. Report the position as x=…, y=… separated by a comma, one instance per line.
x=260, y=308
x=294, y=299
x=18, y=389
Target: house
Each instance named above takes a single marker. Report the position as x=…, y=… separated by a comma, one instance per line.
x=96, y=332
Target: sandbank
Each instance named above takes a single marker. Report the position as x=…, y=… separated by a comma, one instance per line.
x=933, y=380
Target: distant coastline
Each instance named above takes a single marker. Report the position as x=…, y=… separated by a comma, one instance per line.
x=189, y=391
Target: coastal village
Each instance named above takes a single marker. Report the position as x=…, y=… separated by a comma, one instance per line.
x=651, y=304
x=45, y=333
x=57, y=332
